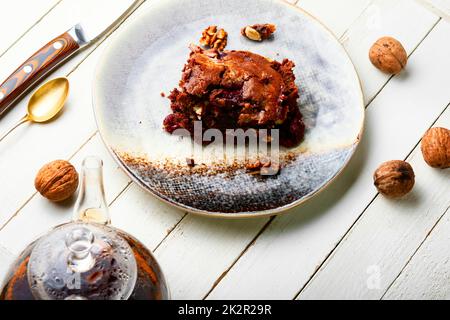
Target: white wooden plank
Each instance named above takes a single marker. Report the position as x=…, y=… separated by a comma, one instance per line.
x=440, y=7
x=427, y=275
x=336, y=15
x=47, y=141
x=17, y=16
x=404, y=20
x=65, y=15
x=379, y=245
x=6, y=259
x=144, y=216
x=198, y=251
x=294, y=245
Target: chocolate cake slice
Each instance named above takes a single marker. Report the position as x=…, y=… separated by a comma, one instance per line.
x=237, y=89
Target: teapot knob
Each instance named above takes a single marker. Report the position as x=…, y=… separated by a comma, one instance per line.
x=79, y=242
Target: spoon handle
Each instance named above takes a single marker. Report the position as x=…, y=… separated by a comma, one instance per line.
x=22, y=121
x=37, y=66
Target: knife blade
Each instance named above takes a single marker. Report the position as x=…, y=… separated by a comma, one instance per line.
x=90, y=28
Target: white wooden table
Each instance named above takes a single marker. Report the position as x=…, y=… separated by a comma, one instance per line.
x=348, y=242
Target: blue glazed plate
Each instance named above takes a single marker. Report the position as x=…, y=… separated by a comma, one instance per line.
x=146, y=58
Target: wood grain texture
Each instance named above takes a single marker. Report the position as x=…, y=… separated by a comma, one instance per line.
x=39, y=64
x=13, y=13
x=382, y=18
x=54, y=140
x=149, y=219
x=380, y=244
x=326, y=11
x=439, y=7
x=200, y=249
x=427, y=275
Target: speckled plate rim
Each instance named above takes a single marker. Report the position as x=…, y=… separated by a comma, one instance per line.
x=248, y=214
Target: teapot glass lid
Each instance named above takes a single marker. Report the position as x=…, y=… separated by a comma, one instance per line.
x=79, y=261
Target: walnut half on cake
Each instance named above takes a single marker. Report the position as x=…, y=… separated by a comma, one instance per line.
x=237, y=89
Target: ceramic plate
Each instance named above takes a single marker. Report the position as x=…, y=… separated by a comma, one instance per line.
x=146, y=58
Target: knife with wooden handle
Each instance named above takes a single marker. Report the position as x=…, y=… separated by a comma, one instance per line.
x=62, y=47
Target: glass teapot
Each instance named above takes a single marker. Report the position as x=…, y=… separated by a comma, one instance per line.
x=86, y=259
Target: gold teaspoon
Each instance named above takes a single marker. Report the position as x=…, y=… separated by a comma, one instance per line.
x=45, y=103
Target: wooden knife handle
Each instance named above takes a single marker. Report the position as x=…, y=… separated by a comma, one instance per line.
x=38, y=65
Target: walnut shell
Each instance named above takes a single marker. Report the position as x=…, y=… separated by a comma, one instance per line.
x=57, y=180
x=388, y=55
x=394, y=178
x=436, y=147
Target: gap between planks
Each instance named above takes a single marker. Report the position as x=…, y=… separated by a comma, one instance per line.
x=30, y=28
x=414, y=50
x=415, y=252
x=34, y=194
x=427, y=235
x=90, y=48
x=427, y=4
x=359, y=217
x=344, y=34
x=251, y=243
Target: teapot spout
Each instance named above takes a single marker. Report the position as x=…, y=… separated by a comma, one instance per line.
x=91, y=204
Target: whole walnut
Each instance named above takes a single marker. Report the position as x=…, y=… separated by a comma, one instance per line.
x=388, y=55
x=57, y=180
x=394, y=178
x=436, y=147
